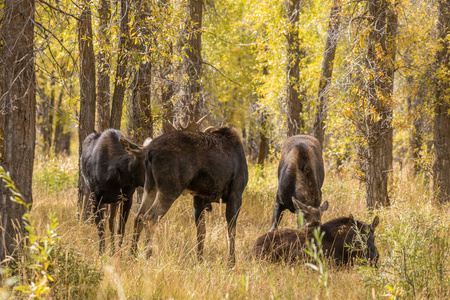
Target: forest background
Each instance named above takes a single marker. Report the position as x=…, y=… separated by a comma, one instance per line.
x=368, y=78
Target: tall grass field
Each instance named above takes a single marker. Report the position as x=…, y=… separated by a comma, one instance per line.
x=412, y=238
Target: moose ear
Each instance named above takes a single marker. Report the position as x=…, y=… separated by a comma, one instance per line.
x=375, y=222
x=324, y=206
x=130, y=147
x=352, y=217
x=298, y=205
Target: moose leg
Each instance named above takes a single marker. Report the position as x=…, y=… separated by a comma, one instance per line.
x=199, y=216
x=147, y=202
x=124, y=213
x=232, y=213
x=112, y=216
x=151, y=218
x=100, y=223
x=277, y=215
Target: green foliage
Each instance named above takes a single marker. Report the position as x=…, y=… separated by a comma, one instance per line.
x=55, y=173
x=319, y=263
x=36, y=280
x=42, y=267
x=74, y=276
x=415, y=260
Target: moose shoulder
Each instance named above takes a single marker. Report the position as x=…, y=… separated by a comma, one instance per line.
x=111, y=172
x=344, y=239
x=209, y=165
x=300, y=178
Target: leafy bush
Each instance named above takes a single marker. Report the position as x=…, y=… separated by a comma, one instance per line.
x=55, y=173
x=43, y=267
x=74, y=278
x=415, y=263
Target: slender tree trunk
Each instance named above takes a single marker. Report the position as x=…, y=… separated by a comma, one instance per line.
x=62, y=138
x=43, y=121
x=87, y=95
x=18, y=120
x=121, y=71
x=327, y=70
x=167, y=91
x=380, y=62
x=415, y=113
x=168, y=86
x=263, y=141
x=391, y=50
x=441, y=165
x=103, y=89
x=191, y=97
x=295, y=95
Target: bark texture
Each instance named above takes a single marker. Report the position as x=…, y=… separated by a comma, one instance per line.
x=441, y=165
x=87, y=96
x=191, y=97
x=295, y=94
x=380, y=64
x=141, y=109
x=18, y=117
x=167, y=74
x=263, y=140
x=103, y=89
x=327, y=70
x=141, y=103
x=121, y=71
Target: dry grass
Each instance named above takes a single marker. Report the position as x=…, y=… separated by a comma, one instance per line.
x=412, y=240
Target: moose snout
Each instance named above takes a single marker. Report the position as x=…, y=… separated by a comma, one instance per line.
x=373, y=257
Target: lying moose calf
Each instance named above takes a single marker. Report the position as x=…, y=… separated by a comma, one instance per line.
x=344, y=239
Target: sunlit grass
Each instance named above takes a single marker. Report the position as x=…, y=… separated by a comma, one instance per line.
x=412, y=239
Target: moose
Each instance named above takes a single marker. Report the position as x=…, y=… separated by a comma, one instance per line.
x=112, y=168
x=344, y=240
x=300, y=178
x=209, y=165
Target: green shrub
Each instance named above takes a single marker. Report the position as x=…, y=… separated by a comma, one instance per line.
x=53, y=174
x=44, y=267
x=415, y=263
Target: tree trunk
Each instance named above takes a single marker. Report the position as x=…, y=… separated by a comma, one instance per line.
x=43, y=121
x=168, y=85
x=295, y=95
x=167, y=92
x=327, y=70
x=263, y=141
x=141, y=103
x=415, y=113
x=441, y=165
x=18, y=121
x=121, y=71
x=103, y=89
x=141, y=110
x=61, y=139
x=391, y=50
x=87, y=96
x=380, y=63
x=191, y=97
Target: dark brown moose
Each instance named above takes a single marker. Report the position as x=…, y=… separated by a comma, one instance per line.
x=112, y=168
x=344, y=240
x=300, y=178
x=208, y=165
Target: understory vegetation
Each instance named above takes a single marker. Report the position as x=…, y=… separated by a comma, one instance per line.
x=412, y=239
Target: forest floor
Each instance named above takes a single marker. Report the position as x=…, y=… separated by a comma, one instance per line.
x=412, y=238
